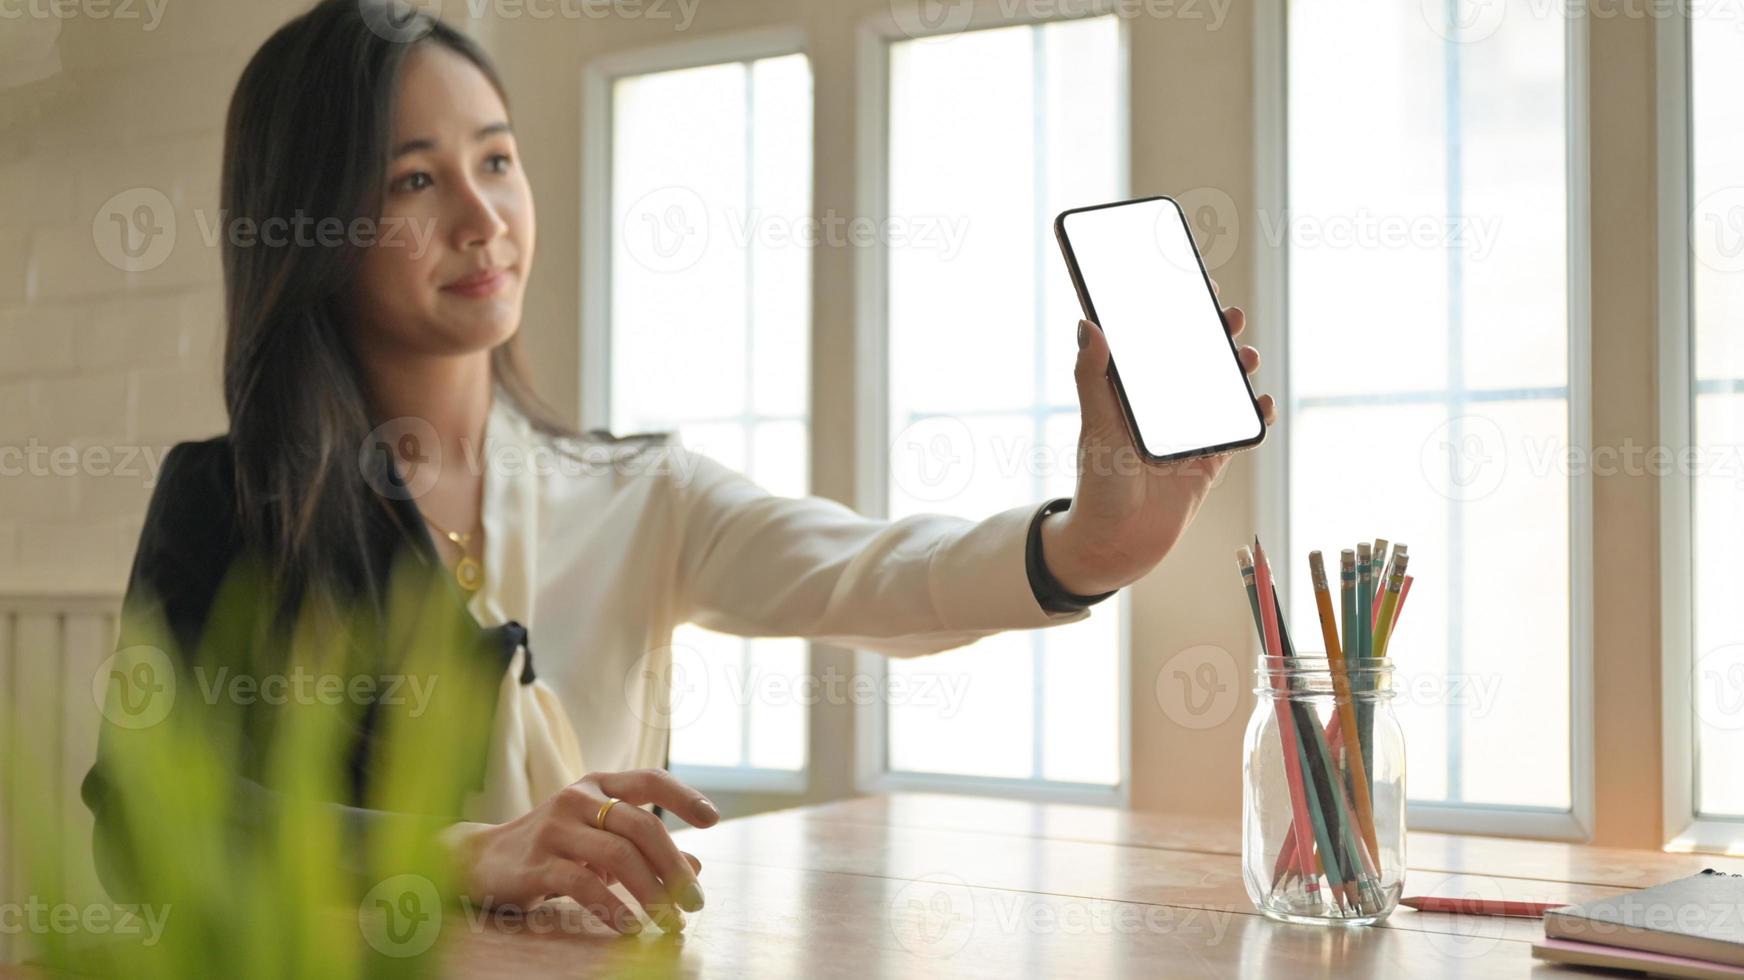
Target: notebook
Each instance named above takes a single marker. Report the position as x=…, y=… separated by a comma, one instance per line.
x=1656, y=964
x=1700, y=917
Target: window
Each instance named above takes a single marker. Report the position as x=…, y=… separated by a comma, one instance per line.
x=1428, y=253
x=990, y=134
x=1716, y=281
x=710, y=193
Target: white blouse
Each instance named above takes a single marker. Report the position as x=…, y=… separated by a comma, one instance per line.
x=603, y=550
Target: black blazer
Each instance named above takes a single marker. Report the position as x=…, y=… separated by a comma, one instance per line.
x=190, y=543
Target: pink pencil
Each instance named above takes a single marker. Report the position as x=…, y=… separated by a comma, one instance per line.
x=1286, y=728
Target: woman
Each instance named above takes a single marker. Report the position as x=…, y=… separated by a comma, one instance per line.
x=379, y=408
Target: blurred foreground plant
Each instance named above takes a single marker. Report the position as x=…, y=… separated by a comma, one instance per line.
x=239, y=853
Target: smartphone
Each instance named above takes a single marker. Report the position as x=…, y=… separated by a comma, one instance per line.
x=1141, y=279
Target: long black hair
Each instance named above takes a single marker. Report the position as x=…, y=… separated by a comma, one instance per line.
x=308, y=138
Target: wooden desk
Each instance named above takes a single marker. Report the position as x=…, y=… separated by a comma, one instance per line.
x=924, y=885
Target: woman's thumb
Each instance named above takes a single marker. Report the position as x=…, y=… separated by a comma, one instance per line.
x=1098, y=405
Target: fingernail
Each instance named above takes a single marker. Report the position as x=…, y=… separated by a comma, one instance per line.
x=691, y=898
x=1082, y=333
x=709, y=808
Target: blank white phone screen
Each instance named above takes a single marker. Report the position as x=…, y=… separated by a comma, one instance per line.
x=1182, y=380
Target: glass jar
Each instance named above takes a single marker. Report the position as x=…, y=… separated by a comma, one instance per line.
x=1353, y=868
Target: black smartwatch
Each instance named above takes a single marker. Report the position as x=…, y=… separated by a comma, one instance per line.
x=1049, y=593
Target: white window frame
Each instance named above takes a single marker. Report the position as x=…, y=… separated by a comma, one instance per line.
x=871, y=437
x=1684, y=828
x=1271, y=506
x=596, y=133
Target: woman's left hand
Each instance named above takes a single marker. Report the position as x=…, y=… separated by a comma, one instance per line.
x=1127, y=512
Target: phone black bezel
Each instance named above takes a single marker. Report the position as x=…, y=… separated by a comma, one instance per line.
x=1114, y=372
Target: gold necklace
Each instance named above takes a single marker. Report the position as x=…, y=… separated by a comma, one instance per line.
x=468, y=571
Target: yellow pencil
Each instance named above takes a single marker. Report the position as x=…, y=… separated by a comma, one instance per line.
x=1395, y=582
x=1345, y=709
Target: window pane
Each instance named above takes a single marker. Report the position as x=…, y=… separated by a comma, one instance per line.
x=1428, y=352
x=1717, y=278
x=711, y=313
x=991, y=134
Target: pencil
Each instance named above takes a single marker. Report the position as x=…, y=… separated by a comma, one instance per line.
x=1384, y=626
x=1326, y=805
x=1383, y=636
x=1352, y=646
x=1378, y=560
x=1287, y=857
x=1347, y=598
x=1480, y=906
x=1380, y=577
x=1344, y=710
x=1364, y=598
x=1340, y=844
x=1300, y=819
x=1365, y=651
x=1347, y=579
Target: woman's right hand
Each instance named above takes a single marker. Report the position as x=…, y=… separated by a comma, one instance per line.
x=555, y=849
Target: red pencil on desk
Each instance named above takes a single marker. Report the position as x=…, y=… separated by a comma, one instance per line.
x=1478, y=906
